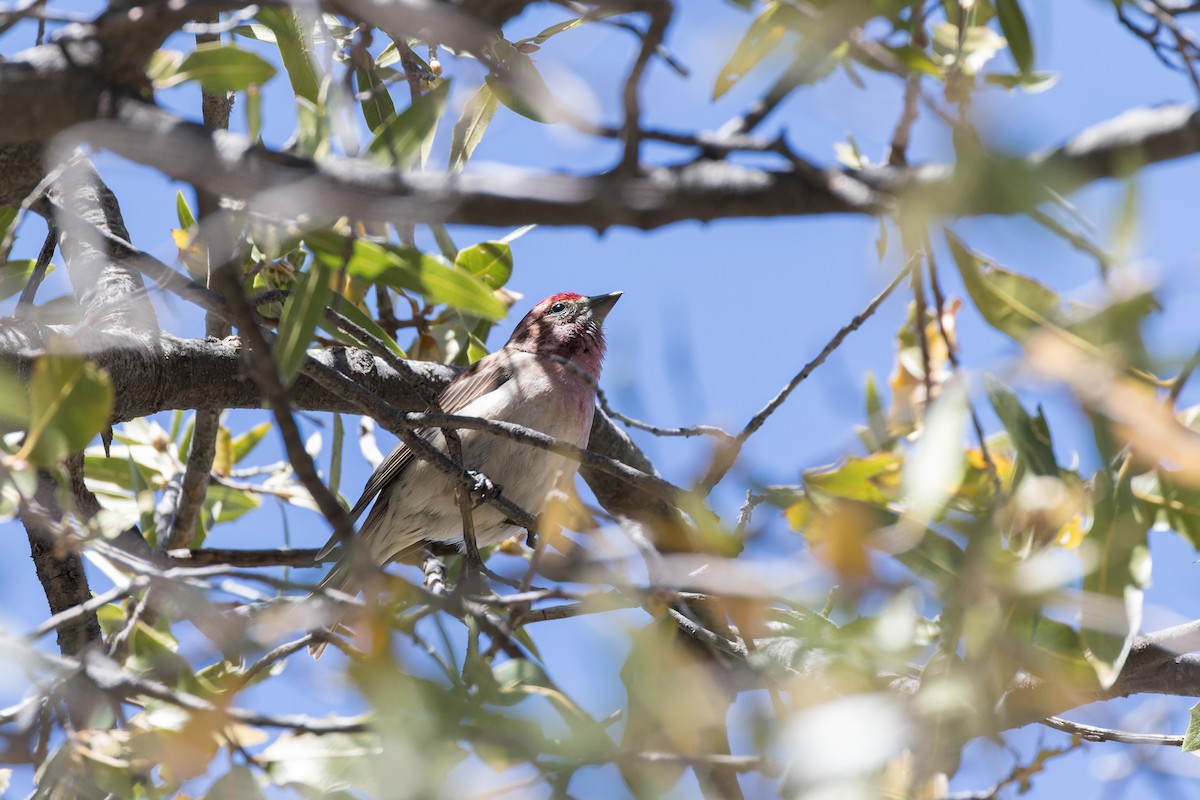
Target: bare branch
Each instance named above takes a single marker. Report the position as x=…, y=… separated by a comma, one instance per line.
x=1091, y=733
x=726, y=459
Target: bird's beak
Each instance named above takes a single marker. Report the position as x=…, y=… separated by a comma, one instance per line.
x=601, y=304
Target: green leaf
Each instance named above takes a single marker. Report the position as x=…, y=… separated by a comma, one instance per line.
x=444, y=242
x=376, y=100
x=256, y=31
x=253, y=113
x=917, y=61
x=491, y=262
x=221, y=68
x=876, y=416
x=1179, y=504
x=874, y=479
x=408, y=269
x=934, y=557
x=355, y=315
x=1030, y=435
x=401, y=138
x=226, y=505
x=15, y=274
x=454, y=287
x=14, y=411
x=1016, y=31
x=245, y=443
x=312, y=129
x=186, y=218
x=8, y=215
x=468, y=131
x=364, y=259
x=71, y=401
x=1191, y=739
x=517, y=84
x=335, y=459
x=764, y=34
x=1012, y=304
x=304, y=307
x=282, y=23
x=1114, y=589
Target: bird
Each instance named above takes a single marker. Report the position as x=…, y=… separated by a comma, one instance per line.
x=544, y=378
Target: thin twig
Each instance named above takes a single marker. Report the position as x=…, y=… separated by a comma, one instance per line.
x=721, y=466
x=1092, y=733
x=691, y=430
x=659, y=12
x=25, y=303
x=265, y=374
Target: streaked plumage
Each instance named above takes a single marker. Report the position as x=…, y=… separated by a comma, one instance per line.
x=526, y=383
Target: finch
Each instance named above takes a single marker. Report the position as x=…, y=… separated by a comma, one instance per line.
x=543, y=378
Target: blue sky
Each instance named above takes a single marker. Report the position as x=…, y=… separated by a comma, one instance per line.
x=716, y=318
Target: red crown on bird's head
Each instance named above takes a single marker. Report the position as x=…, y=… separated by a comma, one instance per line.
x=554, y=298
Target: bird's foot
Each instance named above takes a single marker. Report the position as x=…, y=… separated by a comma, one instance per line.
x=482, y=488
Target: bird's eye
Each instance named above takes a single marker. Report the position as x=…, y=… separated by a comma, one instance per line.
x=558, y=308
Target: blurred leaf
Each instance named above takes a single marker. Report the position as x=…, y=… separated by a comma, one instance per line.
x=255, y=31
x=1030, y=82
x=594, y=14
x=226, y=505
x=1030, y=435
x=516, y=83
x=874, y=479
x=253, y=113
x=1016, y=32
x=400, y=139
x=676, y=705
x=244, y=444
x=352, y=313
x=15, y=274
x=917, y=61
x=70, y=401
x=1010, y=303
x=934, y=557
x=237, y=784
x=1114, y=589
x=979, y=46
x=304, y=307
x=491, y=262
x=312, y=131
x=283, y=24
x=1179, y=505
x=376, y=101
x=875, y=436
x=223, y=454
x=1191, y=739
x=220, y=68
x=444, y=242
x=335, y=458
x=477, y=114
x=8, y=215
x=764, y=34
x=934, y=471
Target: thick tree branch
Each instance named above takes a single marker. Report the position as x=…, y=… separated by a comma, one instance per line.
x=703, y=190
x=59, y=568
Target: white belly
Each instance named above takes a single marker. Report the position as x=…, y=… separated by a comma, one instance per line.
x=421, y=505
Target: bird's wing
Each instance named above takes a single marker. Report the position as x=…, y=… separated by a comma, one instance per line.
x=475, y=381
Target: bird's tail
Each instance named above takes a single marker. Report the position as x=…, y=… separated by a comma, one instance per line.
x=340, y=579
